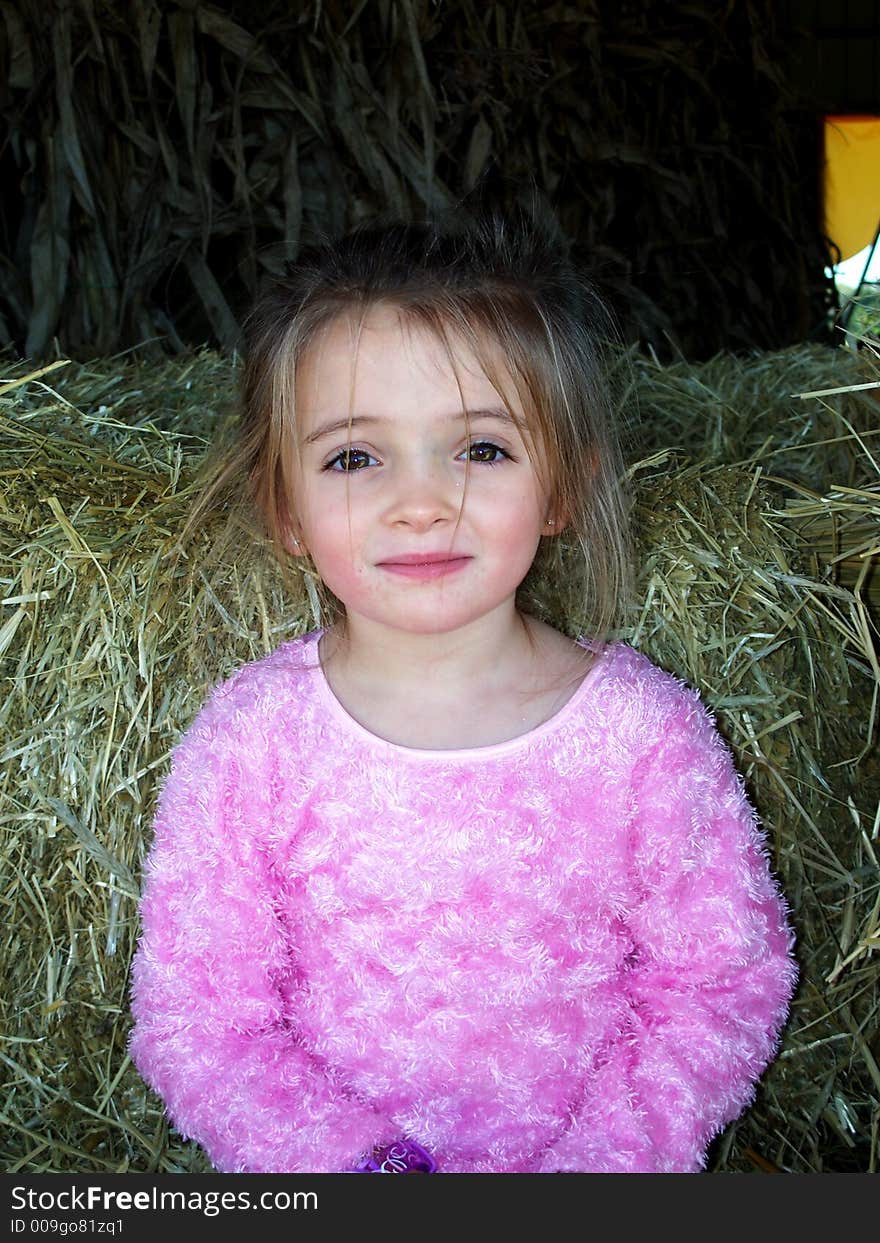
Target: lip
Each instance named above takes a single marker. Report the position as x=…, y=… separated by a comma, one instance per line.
x=424, y=564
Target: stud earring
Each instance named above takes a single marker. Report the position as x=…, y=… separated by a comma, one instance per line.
x=550, y=522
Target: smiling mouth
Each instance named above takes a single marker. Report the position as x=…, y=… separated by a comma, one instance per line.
x=424, y=565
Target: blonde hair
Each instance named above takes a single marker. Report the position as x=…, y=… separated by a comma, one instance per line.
x=491, y=281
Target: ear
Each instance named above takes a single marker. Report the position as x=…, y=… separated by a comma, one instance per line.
x=555, y=524
x=292, y=542
x=291, y=537
x=294, y=546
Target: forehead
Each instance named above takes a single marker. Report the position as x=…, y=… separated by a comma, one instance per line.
x=390, y=356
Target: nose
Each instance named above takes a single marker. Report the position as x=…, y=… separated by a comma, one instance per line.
x=424, y=493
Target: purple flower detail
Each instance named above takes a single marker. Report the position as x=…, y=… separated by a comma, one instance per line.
x=404, y=1156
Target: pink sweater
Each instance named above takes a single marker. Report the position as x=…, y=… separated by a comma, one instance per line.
x=564, y=952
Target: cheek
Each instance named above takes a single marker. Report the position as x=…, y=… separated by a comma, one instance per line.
x=328, y=520
x=515, y=546
x=334, y=546
x=332, y=543
x=523, y=518
x=335, y=570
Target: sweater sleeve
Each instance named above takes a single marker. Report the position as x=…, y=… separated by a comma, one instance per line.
x=707, y=984
x=213, y=1033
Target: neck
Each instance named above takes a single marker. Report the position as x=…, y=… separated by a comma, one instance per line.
x=475, y=655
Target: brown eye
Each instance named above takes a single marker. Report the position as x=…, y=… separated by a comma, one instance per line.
x=485, y=451
x=350, y=460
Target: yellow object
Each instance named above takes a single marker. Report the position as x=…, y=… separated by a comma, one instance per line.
x=852, y=181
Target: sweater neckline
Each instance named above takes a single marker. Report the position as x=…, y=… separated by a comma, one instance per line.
x=552, y=725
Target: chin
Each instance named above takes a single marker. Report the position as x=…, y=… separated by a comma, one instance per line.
x=428, y=625
x=431, y=621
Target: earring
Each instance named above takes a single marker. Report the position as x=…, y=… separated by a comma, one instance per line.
x=550, y=522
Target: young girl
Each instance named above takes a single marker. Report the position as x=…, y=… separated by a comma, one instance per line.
x=436, y=886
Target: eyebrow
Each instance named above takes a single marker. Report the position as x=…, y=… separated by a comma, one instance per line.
x=362, y=420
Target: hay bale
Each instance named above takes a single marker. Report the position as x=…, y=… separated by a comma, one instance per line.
x=112, y=633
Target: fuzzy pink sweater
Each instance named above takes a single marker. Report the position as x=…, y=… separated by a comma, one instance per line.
x=564, y=952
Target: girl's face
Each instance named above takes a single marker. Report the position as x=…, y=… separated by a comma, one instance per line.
x=386, y=516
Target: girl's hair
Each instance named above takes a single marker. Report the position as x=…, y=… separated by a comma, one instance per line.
x=495, y=280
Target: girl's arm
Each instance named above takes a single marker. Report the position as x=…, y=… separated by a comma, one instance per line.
x=212, y=1033
x=707, y=988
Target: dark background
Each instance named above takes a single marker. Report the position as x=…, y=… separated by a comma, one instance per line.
x=158, y=157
